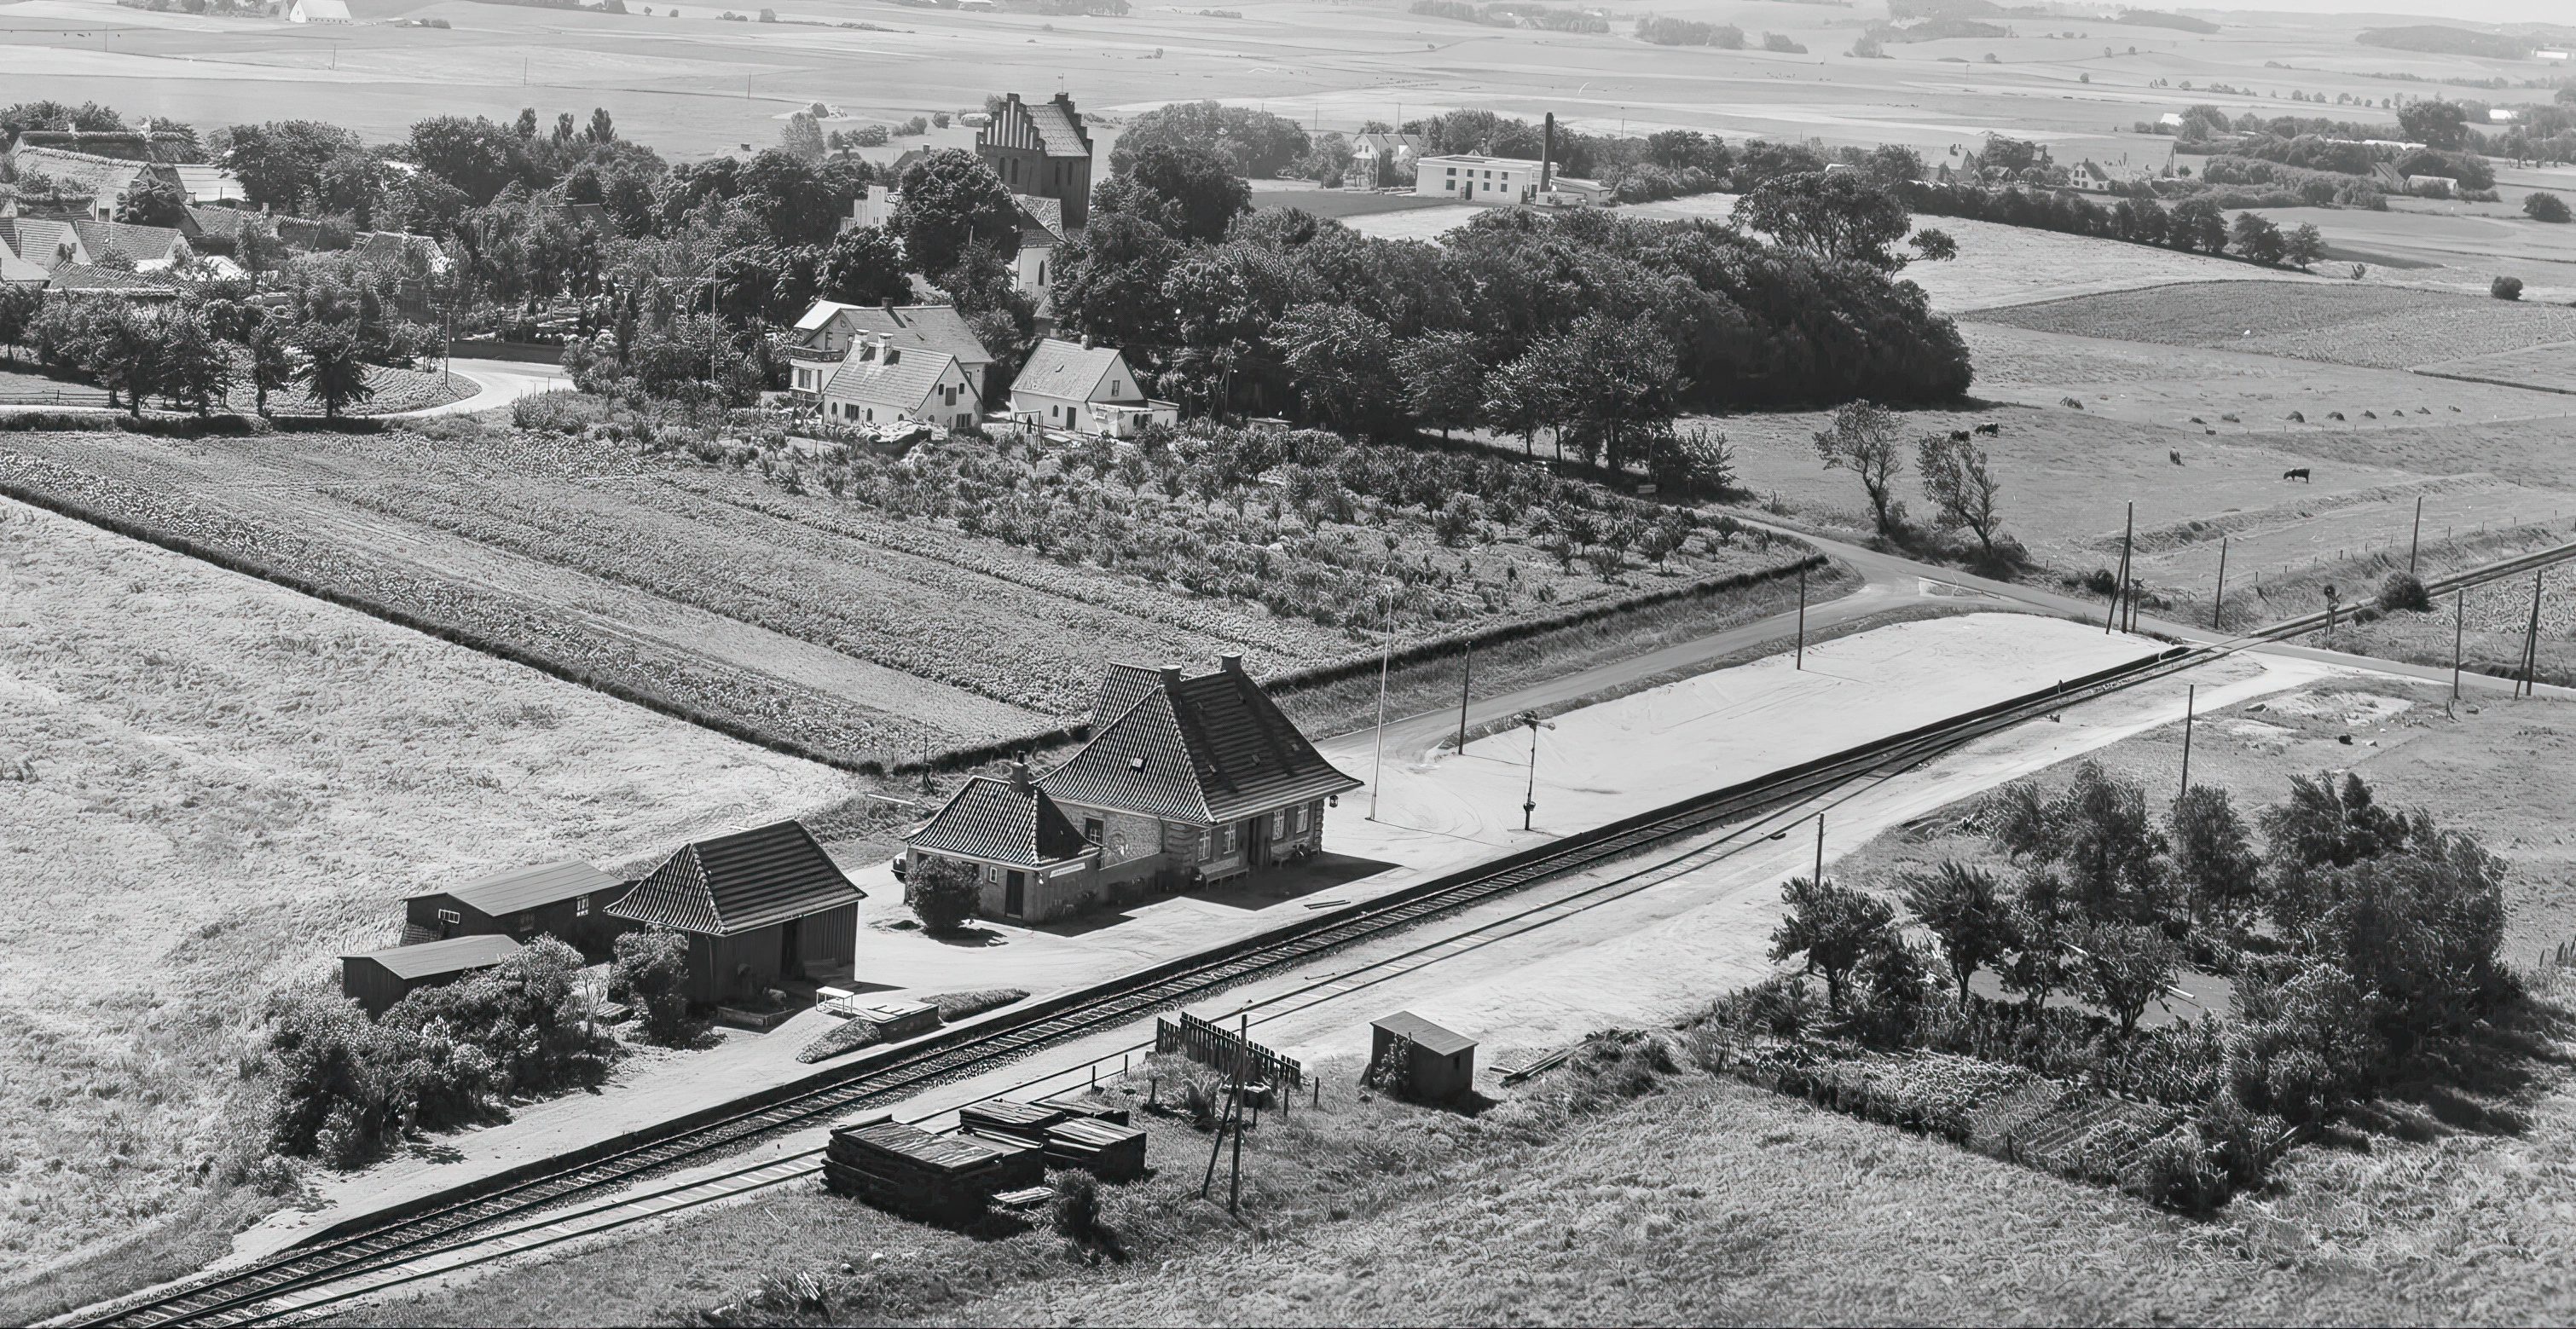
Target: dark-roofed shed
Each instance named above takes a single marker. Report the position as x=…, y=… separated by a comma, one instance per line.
x=568, y=901
x=1443, y=1062
x=759, y=906
x=378, y=979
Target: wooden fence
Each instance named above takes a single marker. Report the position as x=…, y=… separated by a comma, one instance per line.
x=1226, y=1050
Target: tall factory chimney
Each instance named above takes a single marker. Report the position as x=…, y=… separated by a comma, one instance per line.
x=1547, y=154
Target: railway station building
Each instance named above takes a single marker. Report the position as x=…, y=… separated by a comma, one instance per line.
x=1185, y=781
x=567, y=901
x=759, y=906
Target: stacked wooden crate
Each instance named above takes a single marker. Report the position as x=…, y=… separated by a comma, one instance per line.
x=1081, y=1103
x=944, y=1179
x=1109, y=1152
x=1018, y=1132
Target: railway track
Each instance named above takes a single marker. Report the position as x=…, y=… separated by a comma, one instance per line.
x=514, y=1202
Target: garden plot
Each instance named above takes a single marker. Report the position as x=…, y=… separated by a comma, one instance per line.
x=216, y=786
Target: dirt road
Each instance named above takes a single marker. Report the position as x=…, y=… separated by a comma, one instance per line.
x=502, y=382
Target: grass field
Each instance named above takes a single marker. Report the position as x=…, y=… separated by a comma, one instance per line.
x=216, y=786
x=2349, y=323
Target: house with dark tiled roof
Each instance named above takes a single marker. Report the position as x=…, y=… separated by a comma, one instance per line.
x=46, y=242
x=1030, y=859
x=77, y=279
x=1041, y=149
x=882, y=380
x=153, y=248
x=758, y=906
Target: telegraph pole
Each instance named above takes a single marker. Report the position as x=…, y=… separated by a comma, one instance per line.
x=2120, y=586
x=1802, y=618
x=2190, y=701
x=2459, y=625
x=1465, y=681
x=2218, y=607
x=2531, y=645
x=1386, y=655
x=1820, y=850
x=2415, y=541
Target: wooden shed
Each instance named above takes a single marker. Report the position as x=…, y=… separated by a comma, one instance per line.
x=568, y=901
x=378, y=979
x=759, y=906
x=1444, y=1062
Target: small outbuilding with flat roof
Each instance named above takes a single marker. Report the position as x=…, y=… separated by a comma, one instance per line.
x=568, y=901
x=378, y=979
x=1443, y=1064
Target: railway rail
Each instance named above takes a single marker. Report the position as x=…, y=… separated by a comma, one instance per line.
x=524, y=1200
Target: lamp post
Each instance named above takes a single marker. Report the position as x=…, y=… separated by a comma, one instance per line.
x=1529, y=796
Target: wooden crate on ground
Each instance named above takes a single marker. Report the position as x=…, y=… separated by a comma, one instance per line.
x=1023, y=1162
x=1111, y=1153
x=945, y=1179
x=1002, y=1119
x=1080, y=1103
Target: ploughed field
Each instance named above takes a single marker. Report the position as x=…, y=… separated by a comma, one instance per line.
x=2348, y=323
x=857, y=623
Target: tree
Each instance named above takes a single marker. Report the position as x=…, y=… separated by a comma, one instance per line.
x=2121, y=967
x=1835, y=927
x=1935, y=245
x=1525, y=396
x=794, y=202
x=2439, y=125
x=652, y=973
x=1863, y=441
x=280, y=162
x=1695, y=462
x=20, y=302
x=2505, y=288
x=197, y=369
x=1254, y=143
x=1962, y=488
x=802, y=138
x=2324, y=824
x=2255, y=237
x=1189, y=190
x=1962, y=909
x=1444, y=381
x=2213, y=858
x=271, y=369
x=2545, y=207
x=123, y=352
x=950, y=201
x=2304, y=246
x=476, y=156
x=1342, y=362
x=943, y=893
x=153, y=201
x=1838, y=215
x=332, y=372
x=864, y=266
x=2197, y=223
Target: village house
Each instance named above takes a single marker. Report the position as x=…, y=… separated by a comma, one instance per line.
x=43, y=242
x=378, y=979
x=825, y=334
x=879, y=380
x=1041, y=149
x=1382, y=159
x=1033, y=271
x=1084, y=390
x=759, y=907
x=1473, y=179
x=567, y=901
x=1184, y=781
x=152, y=248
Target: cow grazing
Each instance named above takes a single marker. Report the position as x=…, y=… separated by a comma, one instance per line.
x=1990, y=431
x=2295, y=473
x=1958, y=436
x=2176, y=455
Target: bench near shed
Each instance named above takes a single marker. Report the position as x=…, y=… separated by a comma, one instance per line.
x=378, y=979
x=1443, y=1064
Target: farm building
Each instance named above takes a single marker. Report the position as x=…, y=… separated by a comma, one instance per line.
x=1084, y=390
x=1033, y=862
x=567, y=901
x=153, y=248
x=1471, y=179
x=208, y=184
x=1041, y=149
x=879, y=380
x=758, y=906
x=1376, y=159
x=318, y=11
x=828, y=330
x=378, y=979
x=43, y=242
x=1443, y=1063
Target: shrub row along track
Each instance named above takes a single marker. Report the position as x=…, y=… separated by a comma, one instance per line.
x=416, y=1233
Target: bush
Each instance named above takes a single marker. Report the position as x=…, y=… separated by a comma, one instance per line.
x=942, y=892
x=2506, y=288
x=2404, y=590
x=558, y=412
x=652, y=973
x=2545, y=207
x=2173, y=1170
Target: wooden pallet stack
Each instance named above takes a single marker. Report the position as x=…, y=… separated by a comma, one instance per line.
x=1018, y=1132
x=1080, y=1103
x=941, y=1179
x=1107, y=1151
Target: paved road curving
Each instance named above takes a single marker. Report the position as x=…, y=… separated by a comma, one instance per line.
x=502, y=382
